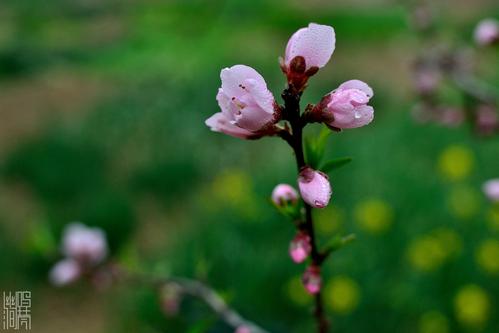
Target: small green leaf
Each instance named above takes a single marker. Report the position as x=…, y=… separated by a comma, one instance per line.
x=335, y=164
x=316, y=147
x=338, y=242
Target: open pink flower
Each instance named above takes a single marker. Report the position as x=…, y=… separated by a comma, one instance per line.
x=314, y=43
x=300, y=247
x=248, y=107
x=314, y=187
x=491, y=189
x=487, y=32
x=284, y=194
x=84, y=244
x=346, y=107
x=65, y=272
x=312, y=279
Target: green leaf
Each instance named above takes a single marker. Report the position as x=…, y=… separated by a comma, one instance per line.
x=338, y=242
x=316, y=147
x=335, y=164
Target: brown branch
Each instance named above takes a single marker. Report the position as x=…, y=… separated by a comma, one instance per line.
x=195, y=289
x=292, y=114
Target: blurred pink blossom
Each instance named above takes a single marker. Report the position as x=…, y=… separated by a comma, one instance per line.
x=491, y=189
x=346, y=107
x=248, y=107
x=314, y=187
x=243, y=329
x=65, y=272
x=487, y=119
x=84, y=244
x=312, y=279
x=487, y=32
x=300, y=247
x=284, y=194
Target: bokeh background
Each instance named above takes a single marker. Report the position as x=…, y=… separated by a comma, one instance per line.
x=102, y=108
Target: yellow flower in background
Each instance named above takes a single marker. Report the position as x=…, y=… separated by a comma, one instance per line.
x=296, y=293
x=428, y=252
x=374, y=215
x=450, y=240
x=329, y=219
x=487, y=256
x=472, y=306
x=233, y=188
x=433, y=322
x=456, y=162
x=464, y=202
x=342, y=294
x=493, y=217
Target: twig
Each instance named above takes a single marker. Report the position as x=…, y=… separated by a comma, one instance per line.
x=195, y=289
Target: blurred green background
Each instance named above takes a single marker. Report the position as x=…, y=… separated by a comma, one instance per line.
x=102, y=108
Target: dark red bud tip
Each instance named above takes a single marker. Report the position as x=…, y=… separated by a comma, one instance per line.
x=298, y=65
x=312, y=71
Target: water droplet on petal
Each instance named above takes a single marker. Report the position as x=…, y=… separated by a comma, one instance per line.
x=357, y=115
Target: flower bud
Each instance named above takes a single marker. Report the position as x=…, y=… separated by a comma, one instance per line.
x=315, y=44
x=300, y=247
x=308, y=50
x=84, y=244
x=284, y=194
x=312, y=279
x=65, y=272
x=491, y=189
x=248, y=107
x=315, y=188
x=346, y=107
x=487, y=32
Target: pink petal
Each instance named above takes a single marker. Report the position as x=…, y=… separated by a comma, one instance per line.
x=219, y=123
x=64, y=272
x=234, y=77
x=315, y=43
x=359, y=85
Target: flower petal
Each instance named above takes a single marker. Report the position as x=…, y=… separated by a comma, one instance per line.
x=315, y=43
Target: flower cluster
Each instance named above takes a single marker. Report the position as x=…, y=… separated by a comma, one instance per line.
x=250, y=111
x=84, y=248
x=441, y=68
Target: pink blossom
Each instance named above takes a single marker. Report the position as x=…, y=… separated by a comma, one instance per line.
x=491, y=189
x=65, y=272
x=84, y=244
x=487, y=32
x=248, y=107
x=314, y=187
x=315, y=44
x=346, y=107
x=243, y=329
x=487, y=120
x=284, y=194
x=312, y=279
x=300, y=247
